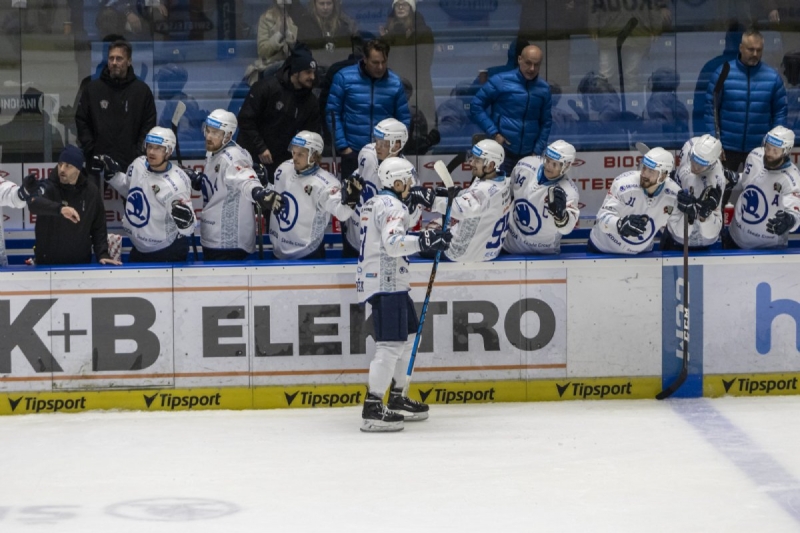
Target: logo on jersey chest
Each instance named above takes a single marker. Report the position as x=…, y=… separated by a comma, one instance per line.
x=526, y=217
x=104, y=104
x=308, y=189
x=156, y=189
x=753, y=205
x=137, y=208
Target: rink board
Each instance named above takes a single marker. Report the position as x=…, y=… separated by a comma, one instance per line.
x=518, y=329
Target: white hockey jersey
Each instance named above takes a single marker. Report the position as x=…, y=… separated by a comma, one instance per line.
x=764, y=193
x=702, y=232
x=8, y=198
x=382, y=262
x=531, y=228
x=310, y=198
x=227, y=221
x=148, y=206
x=479, y=220
x=626, y=197
x=368, y=170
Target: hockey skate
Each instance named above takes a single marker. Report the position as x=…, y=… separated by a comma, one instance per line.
x=411, y=410
x=377, y=417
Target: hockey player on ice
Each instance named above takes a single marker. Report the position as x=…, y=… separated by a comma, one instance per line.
x=309, y=196
x=481, y=210
x=383, y=280
x=390, y=136
x=545, y=202
x=638, y=204
x=158, y=210
x=768, y=207
x=230, y=187
x=12, y=195
x=701, y=174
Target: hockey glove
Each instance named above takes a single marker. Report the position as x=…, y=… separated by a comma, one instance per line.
x=709, y=201
x=423, y=196
x=29, y=188
x=442, y=191
x=182, y=214
x=434, y=240
x=269, y=200
x=108, y=166
x=262, y=174
x=731, y=178
x=780, y=223
x=196, y=178
x=687, y=204
x=351, y=190
x=557, y=203
x=632, y=225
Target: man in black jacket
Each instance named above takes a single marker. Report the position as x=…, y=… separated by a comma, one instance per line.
x=70, y=217
x=116, y=110
x=277, y=108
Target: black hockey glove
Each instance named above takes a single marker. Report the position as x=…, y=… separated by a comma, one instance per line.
x=434, y=240
x=351, y=190
x=423, y=196
x=196, y=178
x=262, y=174
x=780, y=223
x=731, y=178
x=182, y=214
x=632, y=225
x=107, y=166
x=442, y=191
x=557, y=203
x=29, y=188
x=687, y=204
x=709, y=201
x=269, y=200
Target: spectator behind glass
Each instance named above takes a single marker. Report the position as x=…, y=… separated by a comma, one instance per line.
x=277, y=34
x=327, y=31
x=116, y=111
x=170, y=81
x=30, y=136
x=70, y=217
x=667, y=117
x=732, y=39
x=411, y=40
x=133, y=19
x=791, y=69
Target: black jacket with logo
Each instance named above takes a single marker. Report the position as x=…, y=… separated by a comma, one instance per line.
x=272, y=113
x=114, y=116
x=60, y=241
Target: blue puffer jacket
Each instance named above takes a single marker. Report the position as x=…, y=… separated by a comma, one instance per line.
x=517, y=109
x=359, y=102
x=753, y=101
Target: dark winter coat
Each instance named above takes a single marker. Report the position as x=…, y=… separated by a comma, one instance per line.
x=516, y=108
x=273, y=112
x=360, y=102
x=114, y=116
x=60, y=241
x=752, y=102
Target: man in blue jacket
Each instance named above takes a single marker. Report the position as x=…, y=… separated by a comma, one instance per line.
x=361, y=96
x=752, y=101
x=513, y=108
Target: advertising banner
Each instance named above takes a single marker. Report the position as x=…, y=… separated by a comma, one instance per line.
x=673, y=315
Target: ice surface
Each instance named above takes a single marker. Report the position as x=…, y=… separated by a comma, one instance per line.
x=703, y=465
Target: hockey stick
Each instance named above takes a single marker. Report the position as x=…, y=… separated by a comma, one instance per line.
x=643, y=148
x=260, y=222
x=666, y=393
x=177, y=115
x=623, y=35
x=441, y=170
x=335, y=168
x=723, y=75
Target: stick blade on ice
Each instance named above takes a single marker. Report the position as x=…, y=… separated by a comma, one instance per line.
x=441, y=169
x=180, y=109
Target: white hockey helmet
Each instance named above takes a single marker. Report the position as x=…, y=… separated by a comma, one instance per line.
x=781, y=137
x=161, y=137
x=563, y=152
x=392, y=130
x=706, y=151
x=309, y=140
x=222, y=120
x=396, y=168
x=659, y=160
x=488, y=151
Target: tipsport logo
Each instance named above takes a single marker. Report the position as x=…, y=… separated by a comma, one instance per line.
x=185, y=401
x=32, y=404
x=759, y=386
x=313, y=399
x=446, y=396
x=586, y=391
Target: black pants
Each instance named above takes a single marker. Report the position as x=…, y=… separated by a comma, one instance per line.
x=348, y=163
x=177, y=252
x=727, y=241
x=211, y=254
x=733, y=160
x=509, y=162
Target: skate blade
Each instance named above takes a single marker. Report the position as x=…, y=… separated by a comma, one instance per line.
x=379, y=426
x=414, y=417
